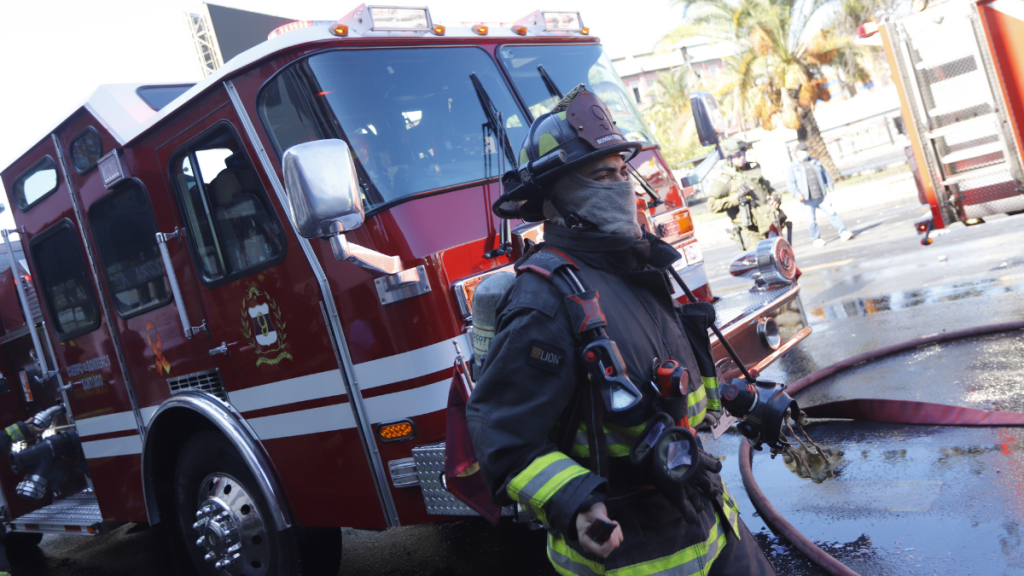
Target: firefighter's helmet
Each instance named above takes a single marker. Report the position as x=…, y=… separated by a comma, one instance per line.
x=578, y=130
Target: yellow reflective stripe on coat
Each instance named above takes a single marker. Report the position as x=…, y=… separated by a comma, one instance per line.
x=732, y=511
x=619, y=440
x=14, y=432
x=696, y=406
x=714, y=396
x=542, y=479
x=694, y=560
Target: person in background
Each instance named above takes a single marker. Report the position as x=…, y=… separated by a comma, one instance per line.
x=746, y=197
x=810, y=184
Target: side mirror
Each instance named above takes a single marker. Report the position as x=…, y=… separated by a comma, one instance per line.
x=706, y=117
x=320, y=179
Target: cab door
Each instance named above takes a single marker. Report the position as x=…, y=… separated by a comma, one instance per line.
x=262, y=309
x=100, y=398
x=123, y=221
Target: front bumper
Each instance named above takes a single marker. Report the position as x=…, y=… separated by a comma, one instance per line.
x=743, y=318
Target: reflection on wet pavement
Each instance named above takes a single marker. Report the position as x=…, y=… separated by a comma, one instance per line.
x=905, y=499
x=986, y=287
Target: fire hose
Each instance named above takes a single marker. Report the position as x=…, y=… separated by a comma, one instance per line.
x=872, y=410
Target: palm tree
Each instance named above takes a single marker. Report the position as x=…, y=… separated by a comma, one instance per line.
x=670, y=117
x=775, y=69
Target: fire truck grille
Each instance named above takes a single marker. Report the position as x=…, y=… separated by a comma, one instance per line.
x=429, y=469
x=208, y=381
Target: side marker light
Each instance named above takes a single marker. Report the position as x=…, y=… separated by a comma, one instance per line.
x=340, y=30
x=521, y=30
x=439, y=30
x=396, y=431
x=480, y=29
x=585, y=31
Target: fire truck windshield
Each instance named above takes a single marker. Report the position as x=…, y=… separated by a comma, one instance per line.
x=542, y=74
x=411, y=116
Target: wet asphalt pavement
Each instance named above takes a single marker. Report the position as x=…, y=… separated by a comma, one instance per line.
x=901, y=500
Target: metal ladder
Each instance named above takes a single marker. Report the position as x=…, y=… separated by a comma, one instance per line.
x=959, y=113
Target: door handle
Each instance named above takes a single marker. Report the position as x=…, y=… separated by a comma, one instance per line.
x=222, y=349
x=172, y=279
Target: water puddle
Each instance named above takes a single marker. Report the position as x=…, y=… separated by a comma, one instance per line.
x=909, y=299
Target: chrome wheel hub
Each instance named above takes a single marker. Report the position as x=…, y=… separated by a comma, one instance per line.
x=230, y=533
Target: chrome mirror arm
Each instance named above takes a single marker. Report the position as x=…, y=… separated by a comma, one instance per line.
x=374, y=262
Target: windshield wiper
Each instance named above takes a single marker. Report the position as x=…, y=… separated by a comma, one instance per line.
x=549, y=83
x=494, y=118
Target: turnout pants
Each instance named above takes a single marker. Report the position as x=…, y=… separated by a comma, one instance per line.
x=658, y=541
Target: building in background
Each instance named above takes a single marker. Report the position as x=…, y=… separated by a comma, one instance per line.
x=704, y=58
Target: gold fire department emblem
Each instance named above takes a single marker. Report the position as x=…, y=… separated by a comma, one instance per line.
x=263, y=327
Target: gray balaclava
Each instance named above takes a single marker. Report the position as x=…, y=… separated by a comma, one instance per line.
x=611, y=206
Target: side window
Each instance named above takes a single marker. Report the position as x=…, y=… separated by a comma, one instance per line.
x=285, y=110
x=86, y=149
x=36, y=183
x=125, y=233
x=66, y=288
x=232, y=225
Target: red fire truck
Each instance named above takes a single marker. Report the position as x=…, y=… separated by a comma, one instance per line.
x=245, y=292
x=962, y=104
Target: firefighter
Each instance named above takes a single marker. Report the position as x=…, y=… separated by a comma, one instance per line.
x=745, y=196
x=532, y=414
x=19, y=432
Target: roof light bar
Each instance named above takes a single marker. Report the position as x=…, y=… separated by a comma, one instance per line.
x=567, y=21
x=389, y=21
x=546, y=23
x=396, y=19
x=298, y=25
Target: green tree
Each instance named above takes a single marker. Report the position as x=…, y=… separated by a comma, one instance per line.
x=777, y=68
x=671, y=119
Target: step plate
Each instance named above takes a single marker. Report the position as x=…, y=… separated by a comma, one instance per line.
x=79, y=513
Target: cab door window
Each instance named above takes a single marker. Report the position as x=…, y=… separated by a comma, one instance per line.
x=125, y=233
x=66, y=287
x=231, y=223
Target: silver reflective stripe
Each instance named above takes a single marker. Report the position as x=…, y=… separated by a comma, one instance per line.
x=558, y=552
x=543, y=477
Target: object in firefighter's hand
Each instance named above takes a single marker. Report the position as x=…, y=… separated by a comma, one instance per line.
x=724, y=422
x=600, y=531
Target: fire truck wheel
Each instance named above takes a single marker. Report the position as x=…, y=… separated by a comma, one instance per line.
x=223, y=517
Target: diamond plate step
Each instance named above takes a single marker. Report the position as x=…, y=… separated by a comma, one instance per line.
x=77, y=514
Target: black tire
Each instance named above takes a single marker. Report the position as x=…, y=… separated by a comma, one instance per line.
x=209, y=455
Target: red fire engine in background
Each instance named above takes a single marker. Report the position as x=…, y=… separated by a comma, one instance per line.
x=962, y=103
x=256, y=347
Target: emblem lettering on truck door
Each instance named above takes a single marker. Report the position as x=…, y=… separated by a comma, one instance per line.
x=263, y=327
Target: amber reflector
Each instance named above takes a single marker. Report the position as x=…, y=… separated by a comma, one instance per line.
x=439, y=30
x=521, y=30
x=403, y=430
x=340, y=30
